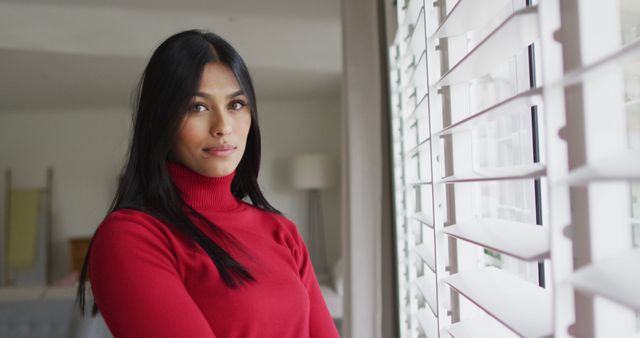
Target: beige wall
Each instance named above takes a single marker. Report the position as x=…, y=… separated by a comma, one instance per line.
x=294, y=127
x=86, y=148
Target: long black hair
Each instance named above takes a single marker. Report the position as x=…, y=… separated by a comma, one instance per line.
x=166, y=87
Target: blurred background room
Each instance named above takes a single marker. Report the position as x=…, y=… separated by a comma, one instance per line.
x=457, y=168
x=68, y=69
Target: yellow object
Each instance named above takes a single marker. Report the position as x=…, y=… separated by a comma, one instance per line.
x=79, y=247
x=24, y=214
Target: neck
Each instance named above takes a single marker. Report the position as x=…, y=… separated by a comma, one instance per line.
x=203, y=192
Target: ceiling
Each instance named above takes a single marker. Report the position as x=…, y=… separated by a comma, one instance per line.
x=79, y=53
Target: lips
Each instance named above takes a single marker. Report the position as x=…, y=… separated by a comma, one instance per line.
x=221, y=148
x=221, y=151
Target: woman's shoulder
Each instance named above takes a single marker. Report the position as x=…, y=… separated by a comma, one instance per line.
x=278, y=223
x=132, y=215
x=131, y=224
x=129, y=217
x=130, y=240
x=274, y=216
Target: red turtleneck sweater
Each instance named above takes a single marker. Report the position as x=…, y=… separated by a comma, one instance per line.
x=151, y=281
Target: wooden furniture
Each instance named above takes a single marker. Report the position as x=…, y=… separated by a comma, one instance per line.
x=78, y=247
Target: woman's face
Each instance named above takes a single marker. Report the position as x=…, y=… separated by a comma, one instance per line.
x=213, y=134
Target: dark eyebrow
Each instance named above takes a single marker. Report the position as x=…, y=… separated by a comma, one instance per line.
x=234, y=94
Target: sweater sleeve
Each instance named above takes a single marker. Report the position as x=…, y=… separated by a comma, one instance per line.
x=321, y=323
x=136, y=285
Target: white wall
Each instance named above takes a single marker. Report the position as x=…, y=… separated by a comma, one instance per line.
x=86, y=148
x=295, y=127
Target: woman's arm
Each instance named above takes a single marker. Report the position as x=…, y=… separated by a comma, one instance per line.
x=321, y=323
x=136, y=285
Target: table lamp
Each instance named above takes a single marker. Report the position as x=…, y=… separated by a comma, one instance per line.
x=314, y=172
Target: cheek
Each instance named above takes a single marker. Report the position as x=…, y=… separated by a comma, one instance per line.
x=189, y=136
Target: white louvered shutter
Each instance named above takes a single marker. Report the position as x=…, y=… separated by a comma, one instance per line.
x=484, y=165
x=594, y=92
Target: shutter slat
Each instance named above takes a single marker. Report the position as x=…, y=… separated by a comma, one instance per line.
x=418, y=75
x=424, y=219
x=428, y=323
x=409, y=14
x=521, y=306
x=417, y=148
x=416, y=43
x=468, y=15
x=513, y=104
x=420, y=106
x=480, y=327
x=427, y=288
x=533, y=170
x=517, y=32
x=635, y=102
x=614, y=61
x=616, y=278
x=425, y=252
x=529, y=242
x=625, y=166
x=419, y=182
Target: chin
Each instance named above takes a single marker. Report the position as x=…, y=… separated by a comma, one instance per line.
x=217, y=172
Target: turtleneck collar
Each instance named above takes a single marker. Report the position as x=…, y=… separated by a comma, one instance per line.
x=203, y=192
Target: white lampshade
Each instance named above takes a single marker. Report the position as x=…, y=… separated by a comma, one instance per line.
x=312, y=171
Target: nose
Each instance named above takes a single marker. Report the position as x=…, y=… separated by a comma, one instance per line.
x=221, y=126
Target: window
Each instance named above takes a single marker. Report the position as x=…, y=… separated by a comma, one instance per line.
x=516, y=161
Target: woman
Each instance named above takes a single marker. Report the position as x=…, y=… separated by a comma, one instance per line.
x=180, y=254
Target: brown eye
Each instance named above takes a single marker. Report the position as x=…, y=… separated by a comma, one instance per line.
x=237, y=105
x=198, y=107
